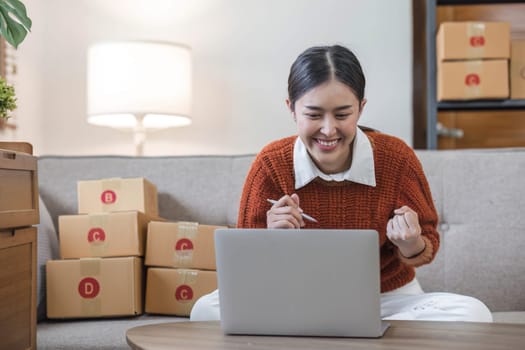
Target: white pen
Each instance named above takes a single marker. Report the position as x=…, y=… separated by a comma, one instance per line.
x=306, y=216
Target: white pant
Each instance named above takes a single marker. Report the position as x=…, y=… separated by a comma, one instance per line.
x=406, y=303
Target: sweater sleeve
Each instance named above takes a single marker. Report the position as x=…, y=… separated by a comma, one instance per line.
x=258, y=187
x=415, y=193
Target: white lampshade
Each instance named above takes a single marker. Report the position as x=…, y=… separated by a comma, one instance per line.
x=139, y=84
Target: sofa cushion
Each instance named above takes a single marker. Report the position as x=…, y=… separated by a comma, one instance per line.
x=509, y=317
x=47, y=249
x=100, y=334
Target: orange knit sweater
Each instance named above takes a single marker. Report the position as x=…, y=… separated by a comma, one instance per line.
x=399, y=181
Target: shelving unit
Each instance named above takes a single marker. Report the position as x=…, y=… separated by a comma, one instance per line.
x=18, y=245
x=426, y=17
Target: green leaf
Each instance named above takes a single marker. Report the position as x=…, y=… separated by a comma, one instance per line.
x=14, y=23
x=7, y=99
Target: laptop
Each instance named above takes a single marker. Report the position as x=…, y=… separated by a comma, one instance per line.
x=303, y=282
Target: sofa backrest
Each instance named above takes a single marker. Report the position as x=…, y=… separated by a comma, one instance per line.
x=204, y=189
x=480, y=199
x=479, y=195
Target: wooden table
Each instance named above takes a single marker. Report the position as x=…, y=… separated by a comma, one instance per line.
x=428, y=335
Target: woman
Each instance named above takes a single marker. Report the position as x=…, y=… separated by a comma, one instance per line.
x=349, y=178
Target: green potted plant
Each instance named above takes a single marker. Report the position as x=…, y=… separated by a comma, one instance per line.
x=14, y=26
x=7, y=99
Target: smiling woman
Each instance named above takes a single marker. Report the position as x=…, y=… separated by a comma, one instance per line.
x=349, y=179
x=326, y=118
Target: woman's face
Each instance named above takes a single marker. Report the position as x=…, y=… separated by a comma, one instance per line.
x=326, y=118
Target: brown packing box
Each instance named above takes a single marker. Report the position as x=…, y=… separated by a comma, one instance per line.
x=94, y=287
x=473, y=40
x=469, y=80
x=174, y=291
x=18, y=186
x=116, y=194
x=102, y=234
x=517, y=69
x=181, y=244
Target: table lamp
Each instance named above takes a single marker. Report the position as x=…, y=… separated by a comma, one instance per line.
x=139, y=85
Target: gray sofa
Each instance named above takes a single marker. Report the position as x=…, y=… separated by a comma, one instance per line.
x=479, y=194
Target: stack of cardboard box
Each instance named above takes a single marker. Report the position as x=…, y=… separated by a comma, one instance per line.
x=472, y=60
x=181, y=266
x=101, y=270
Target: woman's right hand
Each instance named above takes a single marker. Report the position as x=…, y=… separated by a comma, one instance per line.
x=286, y=213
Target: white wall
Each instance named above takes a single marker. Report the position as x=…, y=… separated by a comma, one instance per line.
x=242, y=51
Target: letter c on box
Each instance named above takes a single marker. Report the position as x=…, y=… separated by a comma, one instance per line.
x=184, y=244
x=476, y=41
x=184, y=293
x=472, y=79
x=96, y=234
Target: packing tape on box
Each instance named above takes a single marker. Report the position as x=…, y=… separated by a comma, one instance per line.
x=109, y=189
x=91, y=307
x=476, y=39
x=473, y=71
x=90, y=267
x=186, y=234
x=187, y=276
x=97, y=235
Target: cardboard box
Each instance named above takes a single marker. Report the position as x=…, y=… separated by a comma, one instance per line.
x=181, y=244
x=102, y=234
x=18, y=186
x=94, y=287
x=469, y=80
x=116, y=194
x=473, y=40
x=517, y=70
x=175, y=291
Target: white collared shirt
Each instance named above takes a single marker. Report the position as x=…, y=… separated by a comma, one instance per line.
x=361, y=170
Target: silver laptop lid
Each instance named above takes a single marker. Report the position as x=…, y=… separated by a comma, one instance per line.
x=299, y=282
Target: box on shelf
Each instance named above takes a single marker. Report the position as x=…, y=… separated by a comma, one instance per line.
x=470, y=80
x=94, y=287
x=117, y=194
x=517, y=69
x=102, y=234
x=473, y=40
x=175, y=291
x=18, y=186
x=181, y=244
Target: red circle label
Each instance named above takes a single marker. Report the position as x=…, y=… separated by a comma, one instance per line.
x=184, y=293
x=108, y=197
x=88, y=288
x=184, y=244
x=472, y=79
x=96, y=234
x=476, y=41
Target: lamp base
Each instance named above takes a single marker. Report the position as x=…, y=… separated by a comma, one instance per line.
x=139, y=135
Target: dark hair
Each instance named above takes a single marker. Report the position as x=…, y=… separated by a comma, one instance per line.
x=320, y=64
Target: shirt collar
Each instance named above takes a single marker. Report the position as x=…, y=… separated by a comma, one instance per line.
x=361, y=170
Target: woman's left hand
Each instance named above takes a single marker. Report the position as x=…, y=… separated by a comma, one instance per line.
x=404, y=231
